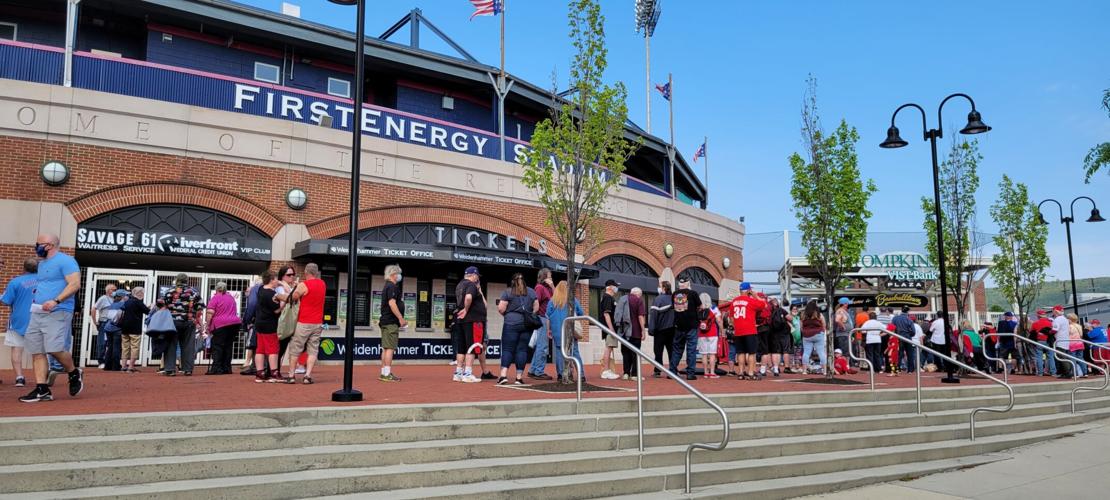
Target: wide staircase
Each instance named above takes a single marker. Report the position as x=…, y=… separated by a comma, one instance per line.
x=783, y=445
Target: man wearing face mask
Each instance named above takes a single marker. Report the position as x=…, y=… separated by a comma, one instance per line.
x=661, y=325
x=58, y=280
x=392, y=320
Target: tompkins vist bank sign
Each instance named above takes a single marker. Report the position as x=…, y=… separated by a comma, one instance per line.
x=899, y=266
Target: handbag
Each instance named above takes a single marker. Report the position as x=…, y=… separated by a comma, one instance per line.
x=160, y=322
x=287, y=321
x=530, y=319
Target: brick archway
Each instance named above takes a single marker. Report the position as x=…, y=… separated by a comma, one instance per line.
x=626, y=247
x=333, y=226
x=698, y=260
x=129, y=195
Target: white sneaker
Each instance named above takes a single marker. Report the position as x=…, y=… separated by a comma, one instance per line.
x=300, y=370
x=101, y=366
x=762, y=369
x=610, y=375
x=458, y=378
x=471, y=379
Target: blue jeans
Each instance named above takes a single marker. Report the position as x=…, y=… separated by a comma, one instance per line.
x=101, y=342
x=687, y=340
x=815, y=343
x=1080, y=367
x=1039, y=356
x=909, y=350
x=514, y=346
x=539, y=358
x=557, y=336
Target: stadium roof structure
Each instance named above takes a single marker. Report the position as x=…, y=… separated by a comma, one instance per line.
x=465, y=70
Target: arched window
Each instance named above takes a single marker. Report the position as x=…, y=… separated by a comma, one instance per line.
x=698, y=276
x=625, y=264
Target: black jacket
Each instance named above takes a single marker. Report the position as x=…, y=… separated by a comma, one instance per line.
x=131, y=323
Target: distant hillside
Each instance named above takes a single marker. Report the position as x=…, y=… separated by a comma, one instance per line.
x=1054, y=292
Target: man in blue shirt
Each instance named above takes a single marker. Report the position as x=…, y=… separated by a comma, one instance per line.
x=903, y=326
x=18, y=296
x=49, y=331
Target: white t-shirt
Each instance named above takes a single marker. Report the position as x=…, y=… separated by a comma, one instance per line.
x=1060, y=328
x=874, y=329
x=101, y=306
x=918, y=334
x=936, y=329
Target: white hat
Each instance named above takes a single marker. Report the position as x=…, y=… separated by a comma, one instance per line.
x=837, y=351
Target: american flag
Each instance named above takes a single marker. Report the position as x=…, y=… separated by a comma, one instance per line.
x=699, y=153
x=486, y=7
x=664, y=89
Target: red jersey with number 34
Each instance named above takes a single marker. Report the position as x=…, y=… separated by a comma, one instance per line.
x=743, y=310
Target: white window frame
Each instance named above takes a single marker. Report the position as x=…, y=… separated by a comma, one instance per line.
x=339, y=80
x=277, y=71
x=15, y=29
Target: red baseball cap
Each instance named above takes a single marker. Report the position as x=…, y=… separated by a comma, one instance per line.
x=1058, y=307
x=1095, y=322
x=1041, y=312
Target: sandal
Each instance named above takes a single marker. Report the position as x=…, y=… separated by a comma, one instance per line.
x=307, y=380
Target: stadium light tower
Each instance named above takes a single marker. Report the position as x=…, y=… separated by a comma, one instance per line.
x=647, y=16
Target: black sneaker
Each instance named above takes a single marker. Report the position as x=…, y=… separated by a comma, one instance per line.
x=488, y=376
x=500, y=381
x=691, y=377
x=37, y=395
x=519, y=381
x=76, y=382
x=248, y=371
x=20, y=381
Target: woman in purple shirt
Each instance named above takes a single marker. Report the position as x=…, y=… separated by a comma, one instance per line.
x=223, y=326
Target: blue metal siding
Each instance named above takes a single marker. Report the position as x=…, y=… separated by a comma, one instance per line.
x=430, y=104
x=21, y=63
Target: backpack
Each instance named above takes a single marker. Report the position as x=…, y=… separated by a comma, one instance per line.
x=778, y=319
x=704, y=322
x=622, y=317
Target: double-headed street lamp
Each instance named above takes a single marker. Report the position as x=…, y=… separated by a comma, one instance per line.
x=974, y=125
x=1066, y=221
x=348, y=393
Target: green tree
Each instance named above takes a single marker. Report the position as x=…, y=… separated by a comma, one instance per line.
x=959, y=180
x=1099, y=156
x=830, y=200
x=579, y=152
x=1019, y=267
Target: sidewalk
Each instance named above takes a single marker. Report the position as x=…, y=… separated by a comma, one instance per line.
x=116, y=392
x=1072, y=467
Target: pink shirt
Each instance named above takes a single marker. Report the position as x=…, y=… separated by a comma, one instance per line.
x=223, y=306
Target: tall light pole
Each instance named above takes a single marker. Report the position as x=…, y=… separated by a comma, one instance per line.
x=348, y=393
x=974, y=125
x=1066, y=221
x=647, y=16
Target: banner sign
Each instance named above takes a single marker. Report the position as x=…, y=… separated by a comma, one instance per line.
x=370, y=349
x=159, y=243
x=899, y=266
x=895, y=300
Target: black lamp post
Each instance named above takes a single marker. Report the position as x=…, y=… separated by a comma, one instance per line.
x=347, y=393
x=1095, y=217
x=974, y=125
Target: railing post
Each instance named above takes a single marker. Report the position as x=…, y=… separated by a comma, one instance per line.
x=918, y=372
x=640, y=401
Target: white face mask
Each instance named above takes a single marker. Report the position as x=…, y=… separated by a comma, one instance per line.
x=659, y=290
x=398, y=278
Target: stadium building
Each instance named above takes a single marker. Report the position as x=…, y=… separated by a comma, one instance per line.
x=213, y=138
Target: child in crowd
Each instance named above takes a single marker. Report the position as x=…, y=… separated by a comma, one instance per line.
x=840, y=364
x=892, y=354
x=708, y=336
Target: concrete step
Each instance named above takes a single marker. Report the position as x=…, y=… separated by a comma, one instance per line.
x=661, y=482
x=133, y=424
x=397, y=466
x=663, y=428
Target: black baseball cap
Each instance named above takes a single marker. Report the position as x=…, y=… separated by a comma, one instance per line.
x=612, y=283
x=471, y=270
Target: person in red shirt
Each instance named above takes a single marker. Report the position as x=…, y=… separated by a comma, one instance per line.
x=708, y=336
x=892, y=351
x=840, y=364
x=1039, y=330
x=743, y=310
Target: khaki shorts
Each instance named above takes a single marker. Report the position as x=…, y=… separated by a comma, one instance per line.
x=391, y=336
x=306, y=338
x=611, y=341
x=129, y=346
x=14, y=339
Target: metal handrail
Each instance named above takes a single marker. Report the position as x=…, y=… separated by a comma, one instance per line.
x=1005, y=367
x=640, y=390
x=963, y=365
x=1105, y=369
x=852, y=355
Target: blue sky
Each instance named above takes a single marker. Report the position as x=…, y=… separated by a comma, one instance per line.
x=1035, y=69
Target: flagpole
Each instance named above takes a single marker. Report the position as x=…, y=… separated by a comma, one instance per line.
x=705, y=144
x=501, y=90
x=670, y=106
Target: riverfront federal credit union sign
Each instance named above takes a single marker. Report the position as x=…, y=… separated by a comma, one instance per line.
x=174, y=230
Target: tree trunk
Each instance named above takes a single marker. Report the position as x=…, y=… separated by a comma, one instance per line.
x=572, y=296
x=831, y=335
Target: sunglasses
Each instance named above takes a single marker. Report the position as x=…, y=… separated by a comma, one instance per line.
x=290, y=274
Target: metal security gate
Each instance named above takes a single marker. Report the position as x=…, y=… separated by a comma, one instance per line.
x=156, y=283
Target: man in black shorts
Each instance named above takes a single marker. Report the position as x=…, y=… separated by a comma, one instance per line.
x=779, y=339
x=470, y=325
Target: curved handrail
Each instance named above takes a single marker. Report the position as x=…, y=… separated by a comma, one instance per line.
x=1105, y=369
x=965, y=366
x=852, y=355
x=1005, y=367
x=640, y=390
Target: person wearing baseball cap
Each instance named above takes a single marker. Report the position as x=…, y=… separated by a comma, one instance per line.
x=1097, y=335
x=1040, y=331
x=468, y=332
x=1007, y=348
x=842, y=324
x=606, y=314
x=1061, y=341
